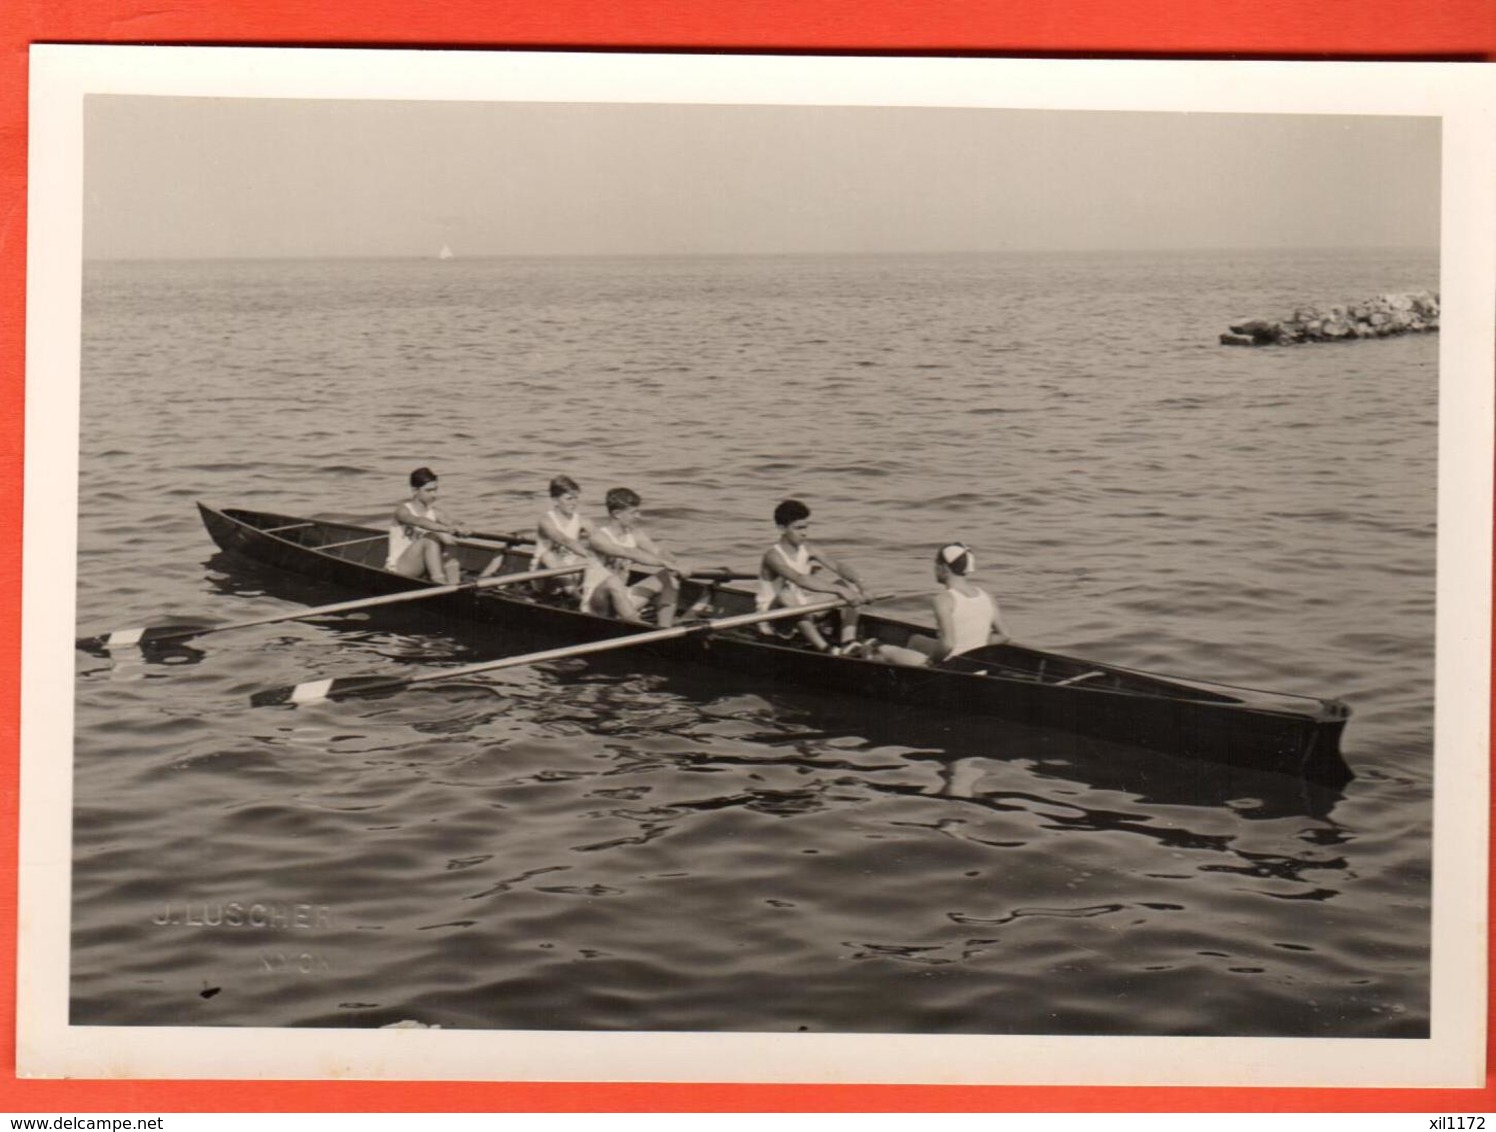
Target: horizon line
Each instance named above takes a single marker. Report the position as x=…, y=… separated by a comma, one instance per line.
x=460, y=257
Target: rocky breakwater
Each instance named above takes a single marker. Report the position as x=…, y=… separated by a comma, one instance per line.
x=1381, y=317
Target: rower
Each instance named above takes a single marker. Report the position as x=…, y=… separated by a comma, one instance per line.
x=966, y=615
x=619, y=545
x=561, y=539
x=793, y=569
x=422, y=536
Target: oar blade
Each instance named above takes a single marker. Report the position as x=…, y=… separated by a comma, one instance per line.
x=143, y=637
x=315, y=691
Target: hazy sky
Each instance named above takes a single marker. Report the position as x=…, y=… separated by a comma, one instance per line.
x=255, y=177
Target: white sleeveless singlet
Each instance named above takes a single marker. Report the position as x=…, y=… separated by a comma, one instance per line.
x=773, y=589
x=554, y=552
x=972, y=618
x=404, y=536
x=602, y=565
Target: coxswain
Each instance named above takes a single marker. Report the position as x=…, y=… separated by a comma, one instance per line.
x=966, y=616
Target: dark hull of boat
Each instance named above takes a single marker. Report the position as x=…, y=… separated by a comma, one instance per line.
x=1287, y=735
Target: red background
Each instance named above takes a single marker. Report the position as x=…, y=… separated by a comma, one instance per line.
x=1461, y=30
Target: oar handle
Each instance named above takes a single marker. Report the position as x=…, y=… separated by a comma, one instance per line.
x=495, y=542
x=721, y=574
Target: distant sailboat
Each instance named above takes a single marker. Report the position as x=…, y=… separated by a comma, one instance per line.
x=445, y=253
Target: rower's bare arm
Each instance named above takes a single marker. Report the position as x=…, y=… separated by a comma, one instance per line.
x=775, y=566
x=1000, y=634
x=945, y=621
x=643, y=553
x=551, y=531
x=842, y=569
x=647, y=553
x=453, y=526
x=608, y=547
x=664, y=557
x=405, y=514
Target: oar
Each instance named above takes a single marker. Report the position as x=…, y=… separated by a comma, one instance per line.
x=315, y=690
x=473, y=538
x=155, y=634
x=494, y=542
x=719, y=574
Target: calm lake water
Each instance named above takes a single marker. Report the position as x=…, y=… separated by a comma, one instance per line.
x=620, y=844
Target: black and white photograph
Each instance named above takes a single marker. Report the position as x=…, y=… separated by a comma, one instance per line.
x=647, y=568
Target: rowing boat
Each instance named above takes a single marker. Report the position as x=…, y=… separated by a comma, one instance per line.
x=1265, y=731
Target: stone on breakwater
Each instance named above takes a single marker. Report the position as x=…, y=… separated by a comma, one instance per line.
x=1382, y=317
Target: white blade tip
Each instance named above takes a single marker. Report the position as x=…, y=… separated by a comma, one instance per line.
x=310, y=692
